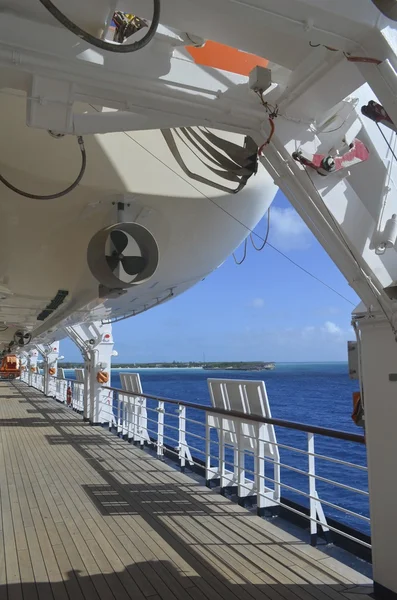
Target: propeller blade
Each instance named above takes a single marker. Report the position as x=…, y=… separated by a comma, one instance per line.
x=119, y=241
x=133, y=265
x=113, y=262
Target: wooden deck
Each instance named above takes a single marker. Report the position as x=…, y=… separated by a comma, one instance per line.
x=84, y=515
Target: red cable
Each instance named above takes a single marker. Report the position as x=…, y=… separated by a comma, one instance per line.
x=363, y=59
x=269, y=139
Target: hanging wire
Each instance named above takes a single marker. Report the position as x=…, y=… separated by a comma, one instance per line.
x=260, y=248
x=244, y=255
x=387, y=141
x=282, y=253
x=155, y=156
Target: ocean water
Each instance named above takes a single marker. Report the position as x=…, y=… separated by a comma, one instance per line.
x=311, y=393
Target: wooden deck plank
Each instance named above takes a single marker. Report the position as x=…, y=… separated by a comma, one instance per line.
x=86, y=516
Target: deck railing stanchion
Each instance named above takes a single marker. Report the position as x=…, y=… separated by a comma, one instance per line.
x=160, y=429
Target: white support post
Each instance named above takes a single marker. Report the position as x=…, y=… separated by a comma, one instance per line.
x=32, y=366
x=184, y=452
x=260, y=481
x=135, y=419
x=50, y=368
x=129, y=417
x=139, y=402
x=207, y=451
x=378, y=350
x=42, y=349
x=222, y=465
x=24, y=362
x=241, y=487
x=100, y=362
x=312, y=489
x=95, y=342
x=120, y=407
x=182, y=438
x=160, y=429
x=316, y=509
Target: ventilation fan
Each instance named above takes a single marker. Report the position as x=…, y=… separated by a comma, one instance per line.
x=22, y=338
x=122, y=255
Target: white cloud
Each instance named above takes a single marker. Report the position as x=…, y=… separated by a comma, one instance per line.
x=329, y=332
x=288, y=231
x=332, y=328
x=257, y=303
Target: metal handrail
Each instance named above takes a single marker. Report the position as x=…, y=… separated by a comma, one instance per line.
x=65, y=379
x=133, y=423
x=333, y=433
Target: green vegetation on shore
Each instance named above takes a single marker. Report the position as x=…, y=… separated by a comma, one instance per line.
x=241, y=366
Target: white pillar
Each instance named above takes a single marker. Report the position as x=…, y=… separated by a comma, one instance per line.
x=78, y=335
x=24, y=362
x=95, y=342
x=32, y=365
x=379, y=381
x=101, y=359
x=51, y=368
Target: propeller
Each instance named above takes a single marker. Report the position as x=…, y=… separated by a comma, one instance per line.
x=139, y=262
x=22, y=339
x=132, y=265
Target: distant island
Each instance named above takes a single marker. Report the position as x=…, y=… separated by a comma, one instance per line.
x=208, y=366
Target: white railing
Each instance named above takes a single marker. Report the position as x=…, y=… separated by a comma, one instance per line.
x=35, y=379
x=70, y=392
x=38, y=381
x=194, y=435
x=174, y=428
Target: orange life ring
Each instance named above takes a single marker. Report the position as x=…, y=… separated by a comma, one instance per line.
x=102, y=377
x=52, y=371
x=33, y=369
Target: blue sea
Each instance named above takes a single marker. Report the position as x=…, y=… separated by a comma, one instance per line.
x=311, y=393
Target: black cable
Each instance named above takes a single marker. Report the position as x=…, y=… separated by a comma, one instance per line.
x=236, y=218
x=244, y=255
x=388, y=144
x=311, y=275
x=103, y=45
x=260, y=248
x=59, y=194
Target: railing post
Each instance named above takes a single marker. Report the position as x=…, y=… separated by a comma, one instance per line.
x=135, y=420
x=260, y=481
x=222, y=466
x=184, y=452
x=316, y=509
x=140, y=428
x=130, y=414
x=182, y=437
x=124, y=420
x=312, y=489
x=207, y=451
x=160, y=429
x=241, y=488
x=120, y=410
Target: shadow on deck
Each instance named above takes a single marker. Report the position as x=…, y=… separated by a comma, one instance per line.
x=86, y=515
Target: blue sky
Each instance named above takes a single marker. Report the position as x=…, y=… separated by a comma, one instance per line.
x=265, y=309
